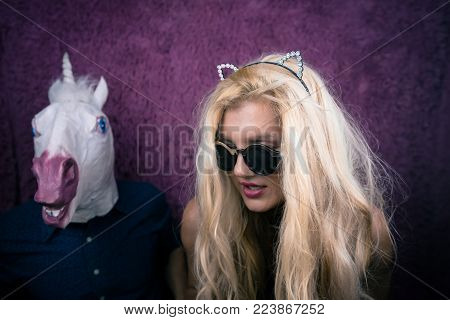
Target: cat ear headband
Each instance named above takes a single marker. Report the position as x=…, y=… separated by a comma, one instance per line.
x=280, y=63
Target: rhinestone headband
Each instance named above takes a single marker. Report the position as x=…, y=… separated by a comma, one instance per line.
x=280, y=63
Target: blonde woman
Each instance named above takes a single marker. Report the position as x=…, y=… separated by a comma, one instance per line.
x=290, y=200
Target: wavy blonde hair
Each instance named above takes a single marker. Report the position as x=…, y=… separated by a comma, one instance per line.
x=333, y=186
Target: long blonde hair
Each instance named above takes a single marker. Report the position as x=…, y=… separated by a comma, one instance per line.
x=333, y=185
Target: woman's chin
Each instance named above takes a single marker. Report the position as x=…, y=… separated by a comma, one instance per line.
x=258, y=205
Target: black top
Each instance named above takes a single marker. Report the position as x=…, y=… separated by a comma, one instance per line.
x=378, y=272
x=268, y=225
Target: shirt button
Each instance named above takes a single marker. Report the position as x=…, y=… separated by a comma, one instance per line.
x=88, y=239
x=96, y=272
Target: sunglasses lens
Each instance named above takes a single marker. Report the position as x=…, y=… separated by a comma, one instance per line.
x=262, y=160
x=225, y=160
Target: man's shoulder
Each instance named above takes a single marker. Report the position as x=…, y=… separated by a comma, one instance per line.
x=146, y=209
x=140, y=198
x=21, y=221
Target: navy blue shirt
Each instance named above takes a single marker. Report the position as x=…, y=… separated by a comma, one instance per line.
x=122, y=255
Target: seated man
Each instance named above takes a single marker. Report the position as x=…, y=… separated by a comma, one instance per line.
x=96, y=238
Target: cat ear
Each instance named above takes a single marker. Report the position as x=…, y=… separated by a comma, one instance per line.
x=101, y=93
x=223, y=66
x=296, y=55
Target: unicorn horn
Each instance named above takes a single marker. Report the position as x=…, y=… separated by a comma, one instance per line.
x=67, y=69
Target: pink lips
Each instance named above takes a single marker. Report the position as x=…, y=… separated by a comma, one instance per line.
x=252, y=190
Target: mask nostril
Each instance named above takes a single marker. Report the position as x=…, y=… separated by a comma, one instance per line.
x=68, y=170
x=67, y=164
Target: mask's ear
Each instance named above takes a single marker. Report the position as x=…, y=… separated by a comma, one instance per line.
x=101, y=92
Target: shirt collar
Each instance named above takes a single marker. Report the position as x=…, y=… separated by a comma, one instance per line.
x=47, y=231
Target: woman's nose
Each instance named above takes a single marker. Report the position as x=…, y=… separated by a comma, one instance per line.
x=241, y=169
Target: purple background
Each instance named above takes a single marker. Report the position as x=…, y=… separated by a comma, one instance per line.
x=162, y=55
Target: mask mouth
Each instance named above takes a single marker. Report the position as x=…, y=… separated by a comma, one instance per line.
x=56, y=215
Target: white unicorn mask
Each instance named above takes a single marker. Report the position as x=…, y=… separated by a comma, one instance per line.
x=73, y=152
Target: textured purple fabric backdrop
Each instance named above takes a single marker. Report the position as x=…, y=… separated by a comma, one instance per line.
x=159, y=59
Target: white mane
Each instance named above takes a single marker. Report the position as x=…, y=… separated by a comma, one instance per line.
x=82, y=89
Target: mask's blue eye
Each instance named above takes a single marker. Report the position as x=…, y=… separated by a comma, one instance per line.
x=34, y=132
x=101, y=124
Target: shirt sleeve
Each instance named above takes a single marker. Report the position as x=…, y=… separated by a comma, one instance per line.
x=170, y=234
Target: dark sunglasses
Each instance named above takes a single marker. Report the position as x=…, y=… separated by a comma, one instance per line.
x=259, y=158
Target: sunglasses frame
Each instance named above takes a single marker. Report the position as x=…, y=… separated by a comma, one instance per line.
x=236, y=152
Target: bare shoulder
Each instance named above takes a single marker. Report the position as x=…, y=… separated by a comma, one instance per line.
x=189, y=229
x=190, y=224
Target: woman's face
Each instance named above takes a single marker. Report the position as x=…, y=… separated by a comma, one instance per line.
x=248, y=123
